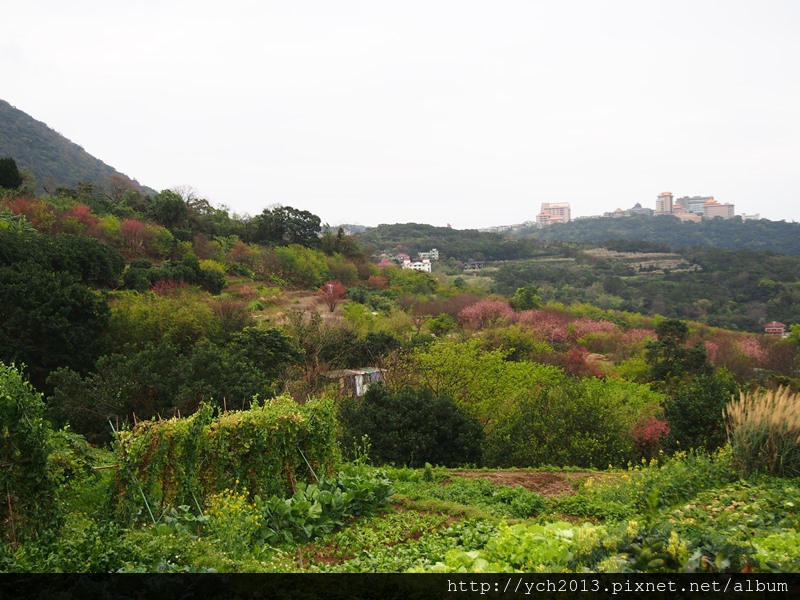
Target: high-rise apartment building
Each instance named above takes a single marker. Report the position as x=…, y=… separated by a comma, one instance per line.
x=553, y=212
x=664, y=203
x=712, y=209
x=694, y=204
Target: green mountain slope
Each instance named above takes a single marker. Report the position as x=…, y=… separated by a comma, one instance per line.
x=54, y=160
x=731, y=234
x=461, y=244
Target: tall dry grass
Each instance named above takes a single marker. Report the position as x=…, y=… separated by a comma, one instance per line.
x=764, y=432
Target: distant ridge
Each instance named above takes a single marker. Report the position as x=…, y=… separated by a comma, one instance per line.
x=54, y=160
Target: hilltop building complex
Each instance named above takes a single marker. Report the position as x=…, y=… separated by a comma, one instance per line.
x=685, y=208
x=553, y=212
x=692, y=208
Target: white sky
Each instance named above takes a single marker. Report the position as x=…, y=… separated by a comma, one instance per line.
x=437, y=111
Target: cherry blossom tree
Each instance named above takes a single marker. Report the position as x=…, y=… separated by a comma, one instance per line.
x=331, y=293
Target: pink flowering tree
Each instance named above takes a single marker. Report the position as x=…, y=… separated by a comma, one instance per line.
x=712, y=350
x=548, y=325
x=486, y=313
x=751, y=349
x=583, y=327
x=331, y=293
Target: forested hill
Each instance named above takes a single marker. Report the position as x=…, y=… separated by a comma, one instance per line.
x=461, y=244
x=731, y=234
x=54, y=160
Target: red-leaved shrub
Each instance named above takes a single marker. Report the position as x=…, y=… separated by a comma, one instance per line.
x=166, y=286
x=331, y=293
x=647, y=434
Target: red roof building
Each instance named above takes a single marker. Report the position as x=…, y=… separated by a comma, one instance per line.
x=775, y=328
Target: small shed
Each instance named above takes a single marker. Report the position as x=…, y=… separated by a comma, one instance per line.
x=355, y=382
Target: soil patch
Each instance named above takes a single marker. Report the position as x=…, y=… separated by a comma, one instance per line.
x=544, y=483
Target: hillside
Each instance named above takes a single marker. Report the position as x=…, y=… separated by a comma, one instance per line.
x=134, y=438
x=731, y=234
x=54, y=160
x=460, y=244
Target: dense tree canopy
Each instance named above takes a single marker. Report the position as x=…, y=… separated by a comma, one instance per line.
x=412, y=427
x=48, y=320
x=284, y=225
x=460, y=244
x=670, y=358
x=731, y=289
x=169, y=209
x=731, y=234
x=90, y=261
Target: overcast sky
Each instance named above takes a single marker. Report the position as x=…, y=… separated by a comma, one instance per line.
x=465, y=112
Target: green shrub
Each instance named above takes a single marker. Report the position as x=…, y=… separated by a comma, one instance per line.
x=622, y=495
x=764, y=432
x=411, y=427
x=694, y=411
x=28, y=490
x=534, y=414
x=579, y=422
x=483, y=383
x=442, y=324
x=85, y=547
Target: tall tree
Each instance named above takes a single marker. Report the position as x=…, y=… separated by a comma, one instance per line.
x=670, y=358
x=10, y=177
x=284, y=225
x=169, y=209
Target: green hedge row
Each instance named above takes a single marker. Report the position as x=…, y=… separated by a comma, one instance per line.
x=267, y=449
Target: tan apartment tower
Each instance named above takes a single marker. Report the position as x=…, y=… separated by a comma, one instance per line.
x=664, y=204
x=713, y=209
x=553, y=212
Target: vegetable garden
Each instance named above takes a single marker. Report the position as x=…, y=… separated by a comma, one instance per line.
x=265, y=490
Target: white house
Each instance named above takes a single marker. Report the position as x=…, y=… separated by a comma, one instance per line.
x=423, y=265
x=432, y=255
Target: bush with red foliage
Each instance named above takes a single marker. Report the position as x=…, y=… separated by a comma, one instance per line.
x=647, y=433
x=331, y=293
x=240, y=253
x=39, y=213
x=377, y=282
x=712, y=350
x=167, y=286
x=751, y=349
x=79, y=219
x=438, y=306
x=134, y=234
x=575, y=361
